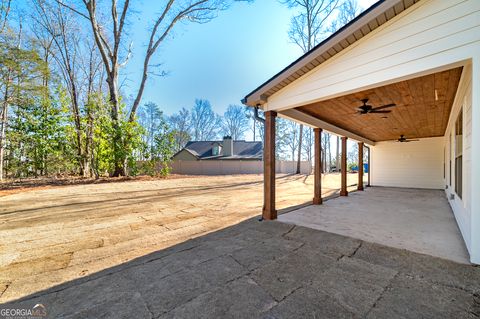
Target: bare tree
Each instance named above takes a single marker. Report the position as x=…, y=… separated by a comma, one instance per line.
x=308, y=140
x=180, y=125
x=235, y=122
x=292, y=137
x=61, y=27
x=249, y=113
x=347, y=11
x=204, y=122
x=307, y=29
x=4, y=11
x=110, y=41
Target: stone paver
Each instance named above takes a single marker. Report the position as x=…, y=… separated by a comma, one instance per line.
x=270, y=270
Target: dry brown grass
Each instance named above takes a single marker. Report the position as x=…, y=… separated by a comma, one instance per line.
x=55, y=233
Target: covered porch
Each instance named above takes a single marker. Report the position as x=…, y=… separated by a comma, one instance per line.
x=418, y=220
x=417, y=65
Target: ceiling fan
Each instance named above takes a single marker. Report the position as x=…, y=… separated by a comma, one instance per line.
x=365, y=108
x=403, y=139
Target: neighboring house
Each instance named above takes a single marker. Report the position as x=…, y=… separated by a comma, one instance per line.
x=219, y=158
x=424, y=57
x=227, y=157
x=227, y=149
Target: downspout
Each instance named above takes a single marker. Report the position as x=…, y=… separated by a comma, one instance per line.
x=261, y=120
x=257, y=117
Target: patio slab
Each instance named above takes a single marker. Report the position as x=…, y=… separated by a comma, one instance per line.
x=419, y=220
x=270, y=270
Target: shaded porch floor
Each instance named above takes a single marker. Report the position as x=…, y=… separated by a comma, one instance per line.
x=419, y=220
x=270, y=270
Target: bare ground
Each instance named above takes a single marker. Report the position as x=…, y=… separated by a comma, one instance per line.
x=53, y=235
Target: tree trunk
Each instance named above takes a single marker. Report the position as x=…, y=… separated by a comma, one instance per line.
x=119, y=160
x=2, y=137
x=300, y=137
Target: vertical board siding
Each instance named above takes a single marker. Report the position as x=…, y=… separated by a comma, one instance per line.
x=416, y=164
x=429, y=35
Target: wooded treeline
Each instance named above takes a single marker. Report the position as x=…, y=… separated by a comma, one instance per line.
x=62, y=107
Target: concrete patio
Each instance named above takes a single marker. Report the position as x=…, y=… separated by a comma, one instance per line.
x=270, y=270
x=419, y=220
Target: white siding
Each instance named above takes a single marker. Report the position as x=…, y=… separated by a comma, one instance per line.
x=415, y=164
x=431, y=35
x=461, y=206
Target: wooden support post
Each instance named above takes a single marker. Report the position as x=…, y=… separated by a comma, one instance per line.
x=269, y=211
x=343, y=190
x=317, y=198
x=360, y=166
x=369, y=167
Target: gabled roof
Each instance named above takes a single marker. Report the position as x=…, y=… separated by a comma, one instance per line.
x=363, y=24
x=241, y=150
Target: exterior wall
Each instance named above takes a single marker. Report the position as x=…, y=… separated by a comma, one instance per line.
x=184, y=155
x=430, y=36
x=212, y=167
x=415, y=164
x=475, y=156
x=461, y=206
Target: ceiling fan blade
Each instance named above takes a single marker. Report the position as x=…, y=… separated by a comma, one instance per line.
x=375, y=111
x=384, y=106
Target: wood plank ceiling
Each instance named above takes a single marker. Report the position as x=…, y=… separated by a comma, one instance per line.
x=419, y=111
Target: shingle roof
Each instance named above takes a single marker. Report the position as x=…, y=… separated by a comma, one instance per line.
x=241, y=150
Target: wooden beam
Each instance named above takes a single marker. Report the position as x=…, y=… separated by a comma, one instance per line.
x=343, y=190
x=360, y=166
x=304, y=118
x=269, y=211
x=317, y=198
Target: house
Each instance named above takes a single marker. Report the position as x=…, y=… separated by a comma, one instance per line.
x=219, y=158
x=423, y=56
x=225, y=150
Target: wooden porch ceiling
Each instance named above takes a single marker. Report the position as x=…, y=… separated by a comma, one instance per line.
x=419, y=112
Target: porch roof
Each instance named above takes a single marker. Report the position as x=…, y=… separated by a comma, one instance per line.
x=378, y=14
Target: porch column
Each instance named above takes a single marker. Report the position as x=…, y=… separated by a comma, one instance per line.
x=317, y=198
x=343, y=190
x=269, y=211
x=369, y=165
x=360, y=166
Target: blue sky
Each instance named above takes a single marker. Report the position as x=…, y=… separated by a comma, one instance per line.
x=221, y=61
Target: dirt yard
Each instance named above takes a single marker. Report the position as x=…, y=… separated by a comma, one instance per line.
x=52, y=235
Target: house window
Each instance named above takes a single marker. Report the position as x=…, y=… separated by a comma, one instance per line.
x=216, y=150
x=458, y=153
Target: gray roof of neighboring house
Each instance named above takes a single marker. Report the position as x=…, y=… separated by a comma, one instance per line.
x=241, y=150
x=375, y=16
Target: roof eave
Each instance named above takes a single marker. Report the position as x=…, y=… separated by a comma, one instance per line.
x=258, y=97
